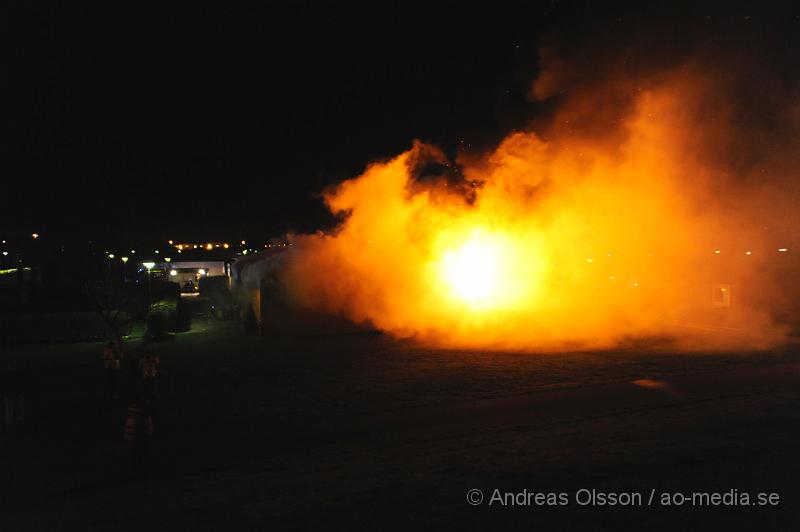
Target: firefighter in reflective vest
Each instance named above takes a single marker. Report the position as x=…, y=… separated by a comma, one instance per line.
x=111, y=365
x=149, y=364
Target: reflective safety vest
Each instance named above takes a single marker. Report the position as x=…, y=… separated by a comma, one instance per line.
x=149, y=367
x=110, y=360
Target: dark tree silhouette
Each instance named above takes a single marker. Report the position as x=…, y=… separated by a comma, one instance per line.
x=106, y=290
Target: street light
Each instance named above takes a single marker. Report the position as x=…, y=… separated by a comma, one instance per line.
x=149, y=266
x=124, y=260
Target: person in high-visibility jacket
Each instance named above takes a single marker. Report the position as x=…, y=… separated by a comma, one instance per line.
x=149, y=365
x=111, y=365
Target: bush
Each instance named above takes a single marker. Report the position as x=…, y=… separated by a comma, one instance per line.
x=183, y=316
x=168, y=316
x=161, y=319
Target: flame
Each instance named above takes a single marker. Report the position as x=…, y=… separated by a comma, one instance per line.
x=565, y=240
x=475, y=270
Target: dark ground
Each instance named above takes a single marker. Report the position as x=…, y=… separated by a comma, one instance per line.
x=361, y=432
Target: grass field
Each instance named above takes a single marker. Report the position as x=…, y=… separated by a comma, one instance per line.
x=363, y=432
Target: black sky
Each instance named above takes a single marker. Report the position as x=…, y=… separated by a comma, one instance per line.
x=213, y=121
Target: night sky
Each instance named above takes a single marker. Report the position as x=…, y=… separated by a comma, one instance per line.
x=219, y=121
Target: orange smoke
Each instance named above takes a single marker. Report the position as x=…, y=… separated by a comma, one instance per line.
x=570, y=241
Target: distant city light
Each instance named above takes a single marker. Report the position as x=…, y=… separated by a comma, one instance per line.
x=156, y=251
x=167, y=259
x=173, y=273
x=209, y=246
x=201, y=271
x=5, y=253
x=180, y=246
x=110, y=255
x=35, y=235
x=748, y=252
x=149, y=265
x=170, y=242
x=133, y=252
x=782, y=250
x=716, y=251
x=243, y=242
x=124, y=259
x=244, y=252
x=225, y=245
x=590, y=260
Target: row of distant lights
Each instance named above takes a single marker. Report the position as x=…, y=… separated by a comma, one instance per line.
x=780, y=250
x=716, y=252
x=209, y=246
x=179, y=247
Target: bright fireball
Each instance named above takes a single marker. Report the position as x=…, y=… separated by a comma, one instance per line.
x=479, y=271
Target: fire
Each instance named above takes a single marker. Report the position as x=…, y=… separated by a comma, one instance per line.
x=541, y=242
x=475, y=270
x=478, y=271
x=482, y=271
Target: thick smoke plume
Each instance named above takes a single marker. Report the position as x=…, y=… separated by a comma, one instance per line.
x=627, y=212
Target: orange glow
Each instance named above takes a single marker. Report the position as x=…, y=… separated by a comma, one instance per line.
x=543, y=241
